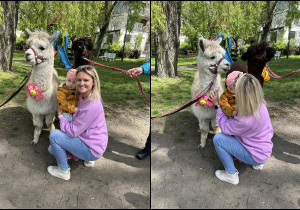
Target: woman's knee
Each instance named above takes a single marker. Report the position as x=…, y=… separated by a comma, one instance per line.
x=54, y=134
x=218, y=138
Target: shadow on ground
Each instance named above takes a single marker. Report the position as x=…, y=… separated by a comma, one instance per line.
x=118, y=179
x=182, y=176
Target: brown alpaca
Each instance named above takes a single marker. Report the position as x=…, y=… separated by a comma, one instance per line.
x=82, y=47
x=257, y=56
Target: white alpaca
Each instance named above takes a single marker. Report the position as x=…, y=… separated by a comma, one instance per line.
x=41, y=55
x=210, y=53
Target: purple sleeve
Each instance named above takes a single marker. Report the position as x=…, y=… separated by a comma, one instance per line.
x=236, y=126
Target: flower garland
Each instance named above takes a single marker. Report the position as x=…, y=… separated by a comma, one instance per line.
x=205, y=102
x=265, y=74
x=34, y=92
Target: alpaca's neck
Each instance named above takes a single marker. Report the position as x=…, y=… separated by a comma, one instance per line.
x=255, y=68
x=42, y=75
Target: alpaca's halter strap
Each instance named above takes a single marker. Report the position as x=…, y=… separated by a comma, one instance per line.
x=215, y=70
x=36, y=56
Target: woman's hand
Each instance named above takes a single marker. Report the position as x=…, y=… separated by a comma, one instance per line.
x=59, y=111
x=214, y=98
x=135, y=71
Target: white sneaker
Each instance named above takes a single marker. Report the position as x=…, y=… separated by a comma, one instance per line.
x=89, y=163
x=58, y=172
x=228, y=177
x=258, y=167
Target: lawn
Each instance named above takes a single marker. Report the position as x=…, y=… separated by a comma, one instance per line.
x=118, y=90
x=168, y=94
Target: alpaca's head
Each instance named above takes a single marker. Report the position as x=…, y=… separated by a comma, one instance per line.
x=259, y=53
x=210, y=53
x=83, y=47
x=40, y=47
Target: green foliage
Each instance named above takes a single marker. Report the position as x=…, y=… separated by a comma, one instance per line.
x=279, y=45
x=245, y=48
x=294, y=47
x=135, y=8
x=184, y=46
x=138, y=41
x=20, y=41
x=1, y=14
x=115, y=48
x=158, y=19
x=238, y=19
x=135, y=54
x=74, y=18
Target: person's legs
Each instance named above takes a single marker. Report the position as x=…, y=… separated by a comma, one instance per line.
x=142, y=154
x=228, y=146
x=60, y=142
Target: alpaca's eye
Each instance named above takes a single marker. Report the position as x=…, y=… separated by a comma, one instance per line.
x=42, y=48
x=212, y=57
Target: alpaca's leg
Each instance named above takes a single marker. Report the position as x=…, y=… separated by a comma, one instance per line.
x=215, y=126
x=204, y=128
x=38, y=124
x=49, y=121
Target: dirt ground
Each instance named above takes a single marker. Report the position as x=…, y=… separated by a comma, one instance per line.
x=182, y=176
x=118, y=180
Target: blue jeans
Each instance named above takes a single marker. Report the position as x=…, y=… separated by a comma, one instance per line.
x=60, y=142
x=228, y=146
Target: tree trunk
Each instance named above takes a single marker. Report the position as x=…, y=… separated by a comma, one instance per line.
x=167, y=42
x=104, y=27
x=124, y=43
x=8, y=33
x=288, y=47
x=270, y=7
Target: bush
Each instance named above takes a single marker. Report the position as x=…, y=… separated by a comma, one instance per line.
x=184, y=46
x=294, y=47
x=135, y=54
x=20, y=41
x=245, y=48
x=280, y=45
x=115, y=48
x=127, y=50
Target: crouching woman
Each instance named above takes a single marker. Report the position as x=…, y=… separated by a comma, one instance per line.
x=246, y=137
x=86, y=135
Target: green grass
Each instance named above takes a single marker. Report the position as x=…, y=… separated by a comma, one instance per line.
x=167, y=94
x=181, y=61
x=118, y=90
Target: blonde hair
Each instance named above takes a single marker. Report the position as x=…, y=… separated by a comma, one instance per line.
x=96, y=90
x=249, y=96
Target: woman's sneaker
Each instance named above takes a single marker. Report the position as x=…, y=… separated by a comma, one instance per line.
x=228, y=177
x=58, y=172
x=89, y=163
x=258, y=167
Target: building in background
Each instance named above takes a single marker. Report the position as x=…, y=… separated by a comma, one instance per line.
x=117, y=28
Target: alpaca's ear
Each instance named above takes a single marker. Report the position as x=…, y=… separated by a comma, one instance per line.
x=28, y=31
x=219, y=40
x=201, y=45
x=53, y=37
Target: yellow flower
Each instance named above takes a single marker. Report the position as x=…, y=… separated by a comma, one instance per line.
x=203, y=102
x=33, y=92
x=265, y=74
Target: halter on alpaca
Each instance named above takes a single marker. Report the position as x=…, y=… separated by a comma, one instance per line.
x=210, y=53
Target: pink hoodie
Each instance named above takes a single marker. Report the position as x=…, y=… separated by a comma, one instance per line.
x=255, y=137
x=89, y=125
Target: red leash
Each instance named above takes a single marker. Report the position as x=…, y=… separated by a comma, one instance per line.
x=146, y=99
